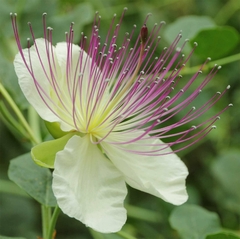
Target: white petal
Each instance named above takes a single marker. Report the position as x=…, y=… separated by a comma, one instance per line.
x=39, y=68
x=26, y=81
x=88, y=187
x=162, y=176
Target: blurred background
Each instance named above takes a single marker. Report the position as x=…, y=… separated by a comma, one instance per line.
x=213, y=163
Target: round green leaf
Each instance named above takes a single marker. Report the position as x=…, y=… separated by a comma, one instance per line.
x=222, y=235
x=34, y=180
x=194, y=222
x=226, y=171
x=216, y=42
x=189, y=25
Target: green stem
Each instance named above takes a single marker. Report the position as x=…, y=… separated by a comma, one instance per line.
x=33, y=119
x=223, y=61
x=10, y=121
x=18, y=114
x=227, y=11
x=53, y=222
x=46, y=218
x=125, y=235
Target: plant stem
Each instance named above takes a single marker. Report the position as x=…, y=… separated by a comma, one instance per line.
x=125, y=235
x=18, y=114
x=223, y=61
x=53, y=222
x=46, y=218
x=227, y=11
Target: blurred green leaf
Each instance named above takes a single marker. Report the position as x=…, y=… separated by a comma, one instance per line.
x=222, y=235
x=189, y=25
x=216, y=42
x=81, y=15
x=34, y=180
x=226, y=171
x=194, y=222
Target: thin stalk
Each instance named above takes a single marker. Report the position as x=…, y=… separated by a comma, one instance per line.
x=19, y=114
x=9, y=120
x=46, y=218
x=125, y=235
x=53, y=222
x=33, y=119
x=220, y=62
x=227, y=11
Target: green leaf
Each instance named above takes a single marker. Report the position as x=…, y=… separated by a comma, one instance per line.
x=44, y=154
x=34, y=180
x=226, y=171
x=194, y=222
x=216, y=42
x=82, y=14
x=189, y=25
x=3, y=237
x=222, y=235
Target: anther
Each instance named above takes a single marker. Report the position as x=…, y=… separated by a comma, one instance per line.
x=194, y=127
x=230, y=105
x=218, y=117
x=214, y=127
x=228, y=87
x=144, y=34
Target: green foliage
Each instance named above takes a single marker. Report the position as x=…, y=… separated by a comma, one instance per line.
x=222, y=235
x=216, y=42
x=226, y=171
x=213, y=163
x=34, y=180
x=189, y=27
x=194, y=222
